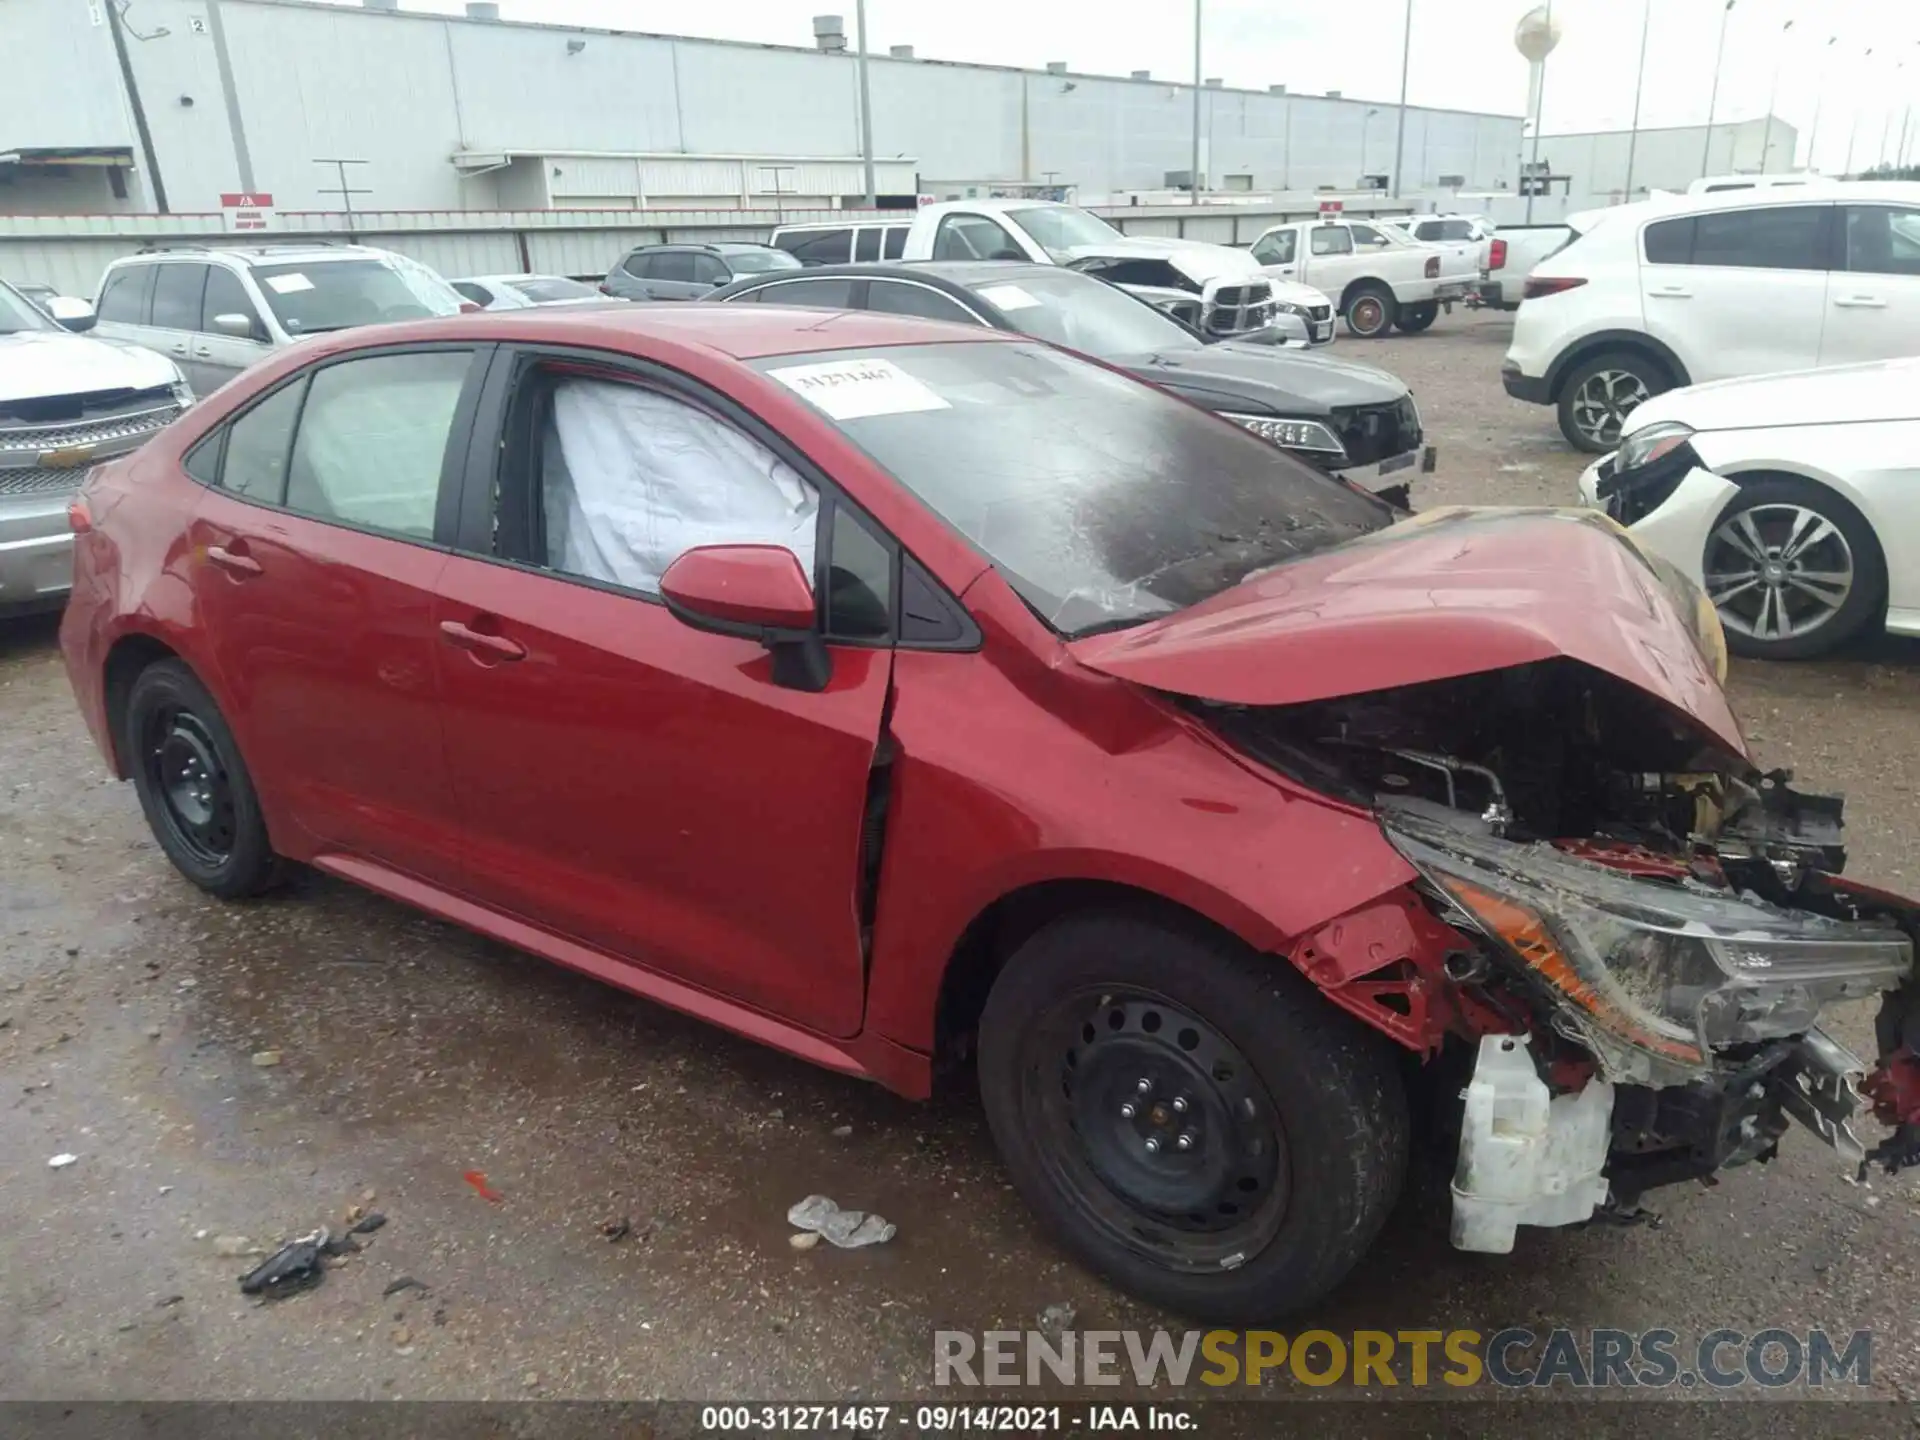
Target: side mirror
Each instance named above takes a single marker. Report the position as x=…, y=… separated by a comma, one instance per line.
x=70, y=313
x=723, y=280
x=753, y=592
x=241, y=327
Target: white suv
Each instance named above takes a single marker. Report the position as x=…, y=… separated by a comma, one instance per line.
x=214, y=311
x=1684, y=290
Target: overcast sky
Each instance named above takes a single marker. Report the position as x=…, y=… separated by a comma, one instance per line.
x=1463, y=55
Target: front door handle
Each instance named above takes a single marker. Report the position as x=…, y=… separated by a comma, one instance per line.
x=203, y=353
x=1861, y=302
x=497, y=647
x=236, y=562
x=1671, y=292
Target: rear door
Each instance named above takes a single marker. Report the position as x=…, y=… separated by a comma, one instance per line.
x=1738, y=292
x=173, y=320
x=126, y=298
x=673, y=275
x=639, y=786
x=315, y=554
x=1873, y=301
x=220, y=352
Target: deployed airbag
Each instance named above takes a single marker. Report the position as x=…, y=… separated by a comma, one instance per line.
x=631, y=479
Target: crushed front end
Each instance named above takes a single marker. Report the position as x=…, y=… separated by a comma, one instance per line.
x=1624, y=939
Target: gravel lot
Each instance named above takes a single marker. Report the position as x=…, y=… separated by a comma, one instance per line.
x=410, y=1053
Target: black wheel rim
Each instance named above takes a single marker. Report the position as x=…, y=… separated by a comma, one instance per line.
x=1157, y=1127
x=192, y=790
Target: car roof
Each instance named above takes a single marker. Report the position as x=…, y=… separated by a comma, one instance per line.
x=1892, y=192
x=711, y=247
x=963, y=273
x=292, y=253
x=742, y=332
x=904, y=217
x=506, y=279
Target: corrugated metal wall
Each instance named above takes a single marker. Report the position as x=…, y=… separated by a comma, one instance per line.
x=404, y=92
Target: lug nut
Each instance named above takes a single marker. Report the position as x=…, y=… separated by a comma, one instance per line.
x=1144, y=1086
x=1127, y=1112
x=1185, y=1142
x=1179, y=1104
x=1153, y=1145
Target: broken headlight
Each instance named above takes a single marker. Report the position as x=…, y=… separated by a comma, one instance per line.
x=1651, y=443
x=1652, y=977
x=1308, y=435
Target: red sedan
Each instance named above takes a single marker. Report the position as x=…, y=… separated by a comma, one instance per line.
x=894, y=693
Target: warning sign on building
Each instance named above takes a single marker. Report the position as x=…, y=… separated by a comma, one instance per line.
x=248, y=211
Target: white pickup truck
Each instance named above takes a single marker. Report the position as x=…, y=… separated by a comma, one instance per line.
x=1511, y=255
x=1378, y=279
x=1216, y=289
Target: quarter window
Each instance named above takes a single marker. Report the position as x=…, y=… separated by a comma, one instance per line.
x=1883, y=240
x=859, y=602
x=373, y=440
x=928, y=304
x=177, y=292
x=125, y=295
x=258, y=444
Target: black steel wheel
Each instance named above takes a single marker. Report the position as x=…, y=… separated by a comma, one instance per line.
x=1196, y=1122
x=193, y=785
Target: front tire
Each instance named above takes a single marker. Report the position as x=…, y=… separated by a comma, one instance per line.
x=194, y=786
x=1412, y=319
x=1192, y=1121
x=1793, y=569
x=1370, y=311
x=1599, y=396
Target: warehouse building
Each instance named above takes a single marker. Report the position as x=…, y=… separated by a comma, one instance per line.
x=174, y=104
x=1592, y=168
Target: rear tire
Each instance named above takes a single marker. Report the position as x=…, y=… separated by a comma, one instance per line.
x=193, y=785
x=1794, y=570
x=1601, y=393
x=1412, y=319
x=1370, y=311
x=1294, y=1114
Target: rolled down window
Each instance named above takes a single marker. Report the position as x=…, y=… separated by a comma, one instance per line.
x=632, y=479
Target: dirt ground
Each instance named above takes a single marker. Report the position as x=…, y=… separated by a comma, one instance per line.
x=132, y=1009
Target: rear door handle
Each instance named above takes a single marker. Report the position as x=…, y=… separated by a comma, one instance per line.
x=498, y=647
x=1861, y=302
x=1671, y=292
x=237, y=562
x=203, y=353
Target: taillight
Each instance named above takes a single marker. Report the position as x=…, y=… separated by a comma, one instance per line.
x=1539, y=285
x=1497, y=255
x=1433, y=267
x=79, y=518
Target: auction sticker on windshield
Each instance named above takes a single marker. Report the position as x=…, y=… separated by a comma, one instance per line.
x=1008, y=297
x=288, y=284
x=855, y=388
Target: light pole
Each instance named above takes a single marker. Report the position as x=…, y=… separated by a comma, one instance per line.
x=866, y=102
x=1713, y=95
x=1193, y=176
x=1819, y=98
x=1400, y=134
x=1886, y=128
x=1639, y=80
x=1773, y=90
x=1366, y=121
x=1854, y=133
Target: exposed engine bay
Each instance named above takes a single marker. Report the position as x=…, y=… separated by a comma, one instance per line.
x=1634, y=929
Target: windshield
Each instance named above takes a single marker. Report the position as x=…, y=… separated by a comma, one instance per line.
x=1059, y=228
x=19, y=315
x=336, y=294
x=758, y=262
x=545, y=289
x=1067, y=308
x=1102, y=501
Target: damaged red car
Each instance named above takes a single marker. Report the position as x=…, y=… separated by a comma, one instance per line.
x=905, y=696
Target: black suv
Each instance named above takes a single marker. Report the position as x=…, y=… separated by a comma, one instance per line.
x=686, y=272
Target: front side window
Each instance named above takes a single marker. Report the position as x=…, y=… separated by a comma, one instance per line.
x=1883, y=240
x=373, y=441
x=1329, y=240
x=1276, y=247
x=1101, y=500
x=125, y=295
x=177, y=292
x=974, y=237
x=323, y=295
x=630, y=479
x=227, y=296
x=1367, y=235
x=710, y=270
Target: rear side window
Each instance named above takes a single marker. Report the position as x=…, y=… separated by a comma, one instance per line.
x=671, y=265
x=177, y=292
x=819, y=247
x=810, y=294
x=125, y=295
x=896, y=242
x=866, y=244
x=258, y=444
x=1781, y=237
x=373, y=439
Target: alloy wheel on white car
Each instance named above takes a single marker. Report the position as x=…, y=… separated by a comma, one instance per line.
x=1778, y=571
x=1603, y=401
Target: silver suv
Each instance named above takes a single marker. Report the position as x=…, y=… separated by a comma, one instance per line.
x=216, y=311
x=67, y=401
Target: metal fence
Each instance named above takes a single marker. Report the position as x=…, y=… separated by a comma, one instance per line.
x=69, y=252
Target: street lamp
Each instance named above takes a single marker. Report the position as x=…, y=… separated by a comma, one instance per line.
x=1400, y=134
x=1365, y=121
x=866, y=103
x=1854, y=133
x=1713, y=95
x=1819, y=98
x=1639, y=80
x=1773, y=90
x=1193, y=176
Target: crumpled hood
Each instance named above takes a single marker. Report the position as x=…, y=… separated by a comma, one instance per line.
x=1196, y=259
x=38, y=364
x=1836, y=395
x=1456, y=591
x=1258, y=378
